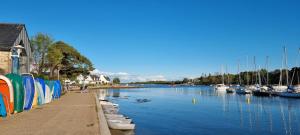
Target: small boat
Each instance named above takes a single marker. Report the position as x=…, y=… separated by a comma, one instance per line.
x=243, y=91
x=109, y=104
x=261, y=93
x=118, y=118
x=125, y=121
x=120, y=126
x=230, y=90
x=114, y=115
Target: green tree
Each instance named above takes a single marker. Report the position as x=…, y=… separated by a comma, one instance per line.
x=72, y=62
x=39, y=45
x=116, y=81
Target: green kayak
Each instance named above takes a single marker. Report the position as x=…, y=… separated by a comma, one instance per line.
x=19, y=92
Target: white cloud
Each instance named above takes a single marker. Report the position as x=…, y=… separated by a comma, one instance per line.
x=126, y=77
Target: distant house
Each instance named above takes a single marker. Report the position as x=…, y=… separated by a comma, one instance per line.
x=13, y=35
x=86, y=80
x=93, y=79
x=100, y=79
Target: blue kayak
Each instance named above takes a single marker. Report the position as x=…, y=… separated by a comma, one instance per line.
x=2, y=107
x=28, y=82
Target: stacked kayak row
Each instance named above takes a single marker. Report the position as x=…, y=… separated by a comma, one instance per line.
x=19, y=93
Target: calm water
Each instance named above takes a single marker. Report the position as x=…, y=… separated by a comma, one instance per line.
x=172, y=111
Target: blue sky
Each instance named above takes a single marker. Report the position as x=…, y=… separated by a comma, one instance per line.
x=166, y=39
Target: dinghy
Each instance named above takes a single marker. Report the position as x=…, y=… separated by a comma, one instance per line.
x=121, y=126
x=124, y=121
x=6, y=89
x=114, y=115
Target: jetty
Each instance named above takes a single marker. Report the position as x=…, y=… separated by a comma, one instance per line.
x=74, y=114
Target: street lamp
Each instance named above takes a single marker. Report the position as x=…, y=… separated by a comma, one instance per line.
x=15, y=56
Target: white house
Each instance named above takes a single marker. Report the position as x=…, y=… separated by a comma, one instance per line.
x=86, y=80
x=93, y=79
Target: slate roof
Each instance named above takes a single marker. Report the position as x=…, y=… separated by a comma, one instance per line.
x=8, y=34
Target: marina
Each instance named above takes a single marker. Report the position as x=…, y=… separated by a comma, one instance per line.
x=204, y=110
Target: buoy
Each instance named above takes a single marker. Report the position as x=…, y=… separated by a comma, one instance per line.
x=194, y=101
x=248, y=101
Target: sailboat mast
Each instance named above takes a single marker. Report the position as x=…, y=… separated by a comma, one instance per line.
x=259, y=77
x=247, y=71
x=286, y=67
x=255, y=69
x=298, y=67
x=267, y=68
x=222, y=72
x=228, y=82
x=240, y=82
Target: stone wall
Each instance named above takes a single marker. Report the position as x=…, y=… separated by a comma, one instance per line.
x=5, y=65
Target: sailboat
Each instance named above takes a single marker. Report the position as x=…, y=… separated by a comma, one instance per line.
x=296, y=87
x=281, y=88
x=256, y=86
x=290, y=92
x=221, y=87
x=260, y=91
x=240, y=89
x=230, y=89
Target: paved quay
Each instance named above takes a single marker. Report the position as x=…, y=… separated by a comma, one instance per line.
x=74, y=114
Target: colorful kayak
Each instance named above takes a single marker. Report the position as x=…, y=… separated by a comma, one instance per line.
x=40, y=93
x=57, y=89
x=19, y=92
x=3, y=111
x=48, y=95
x=35, y=98
x=42, y=82
x=6, y=89
x=28, y=82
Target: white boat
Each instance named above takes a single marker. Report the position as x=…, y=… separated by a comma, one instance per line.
x=221, y=87
x=120, y=126
x=109, y=104
x=296, y=88
x=117, y=118
x=126, y=121
x=114, y=115
x=252, y=88
x=279, y=88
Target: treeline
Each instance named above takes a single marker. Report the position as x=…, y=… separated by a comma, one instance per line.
x=253, y=77
x=53, y=58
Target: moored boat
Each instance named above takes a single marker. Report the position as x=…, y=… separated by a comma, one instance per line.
x=221, y=87
x=230, y=90
x=121, y=126
x=289, y=94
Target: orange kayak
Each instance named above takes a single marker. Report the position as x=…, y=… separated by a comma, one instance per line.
x=6, y=89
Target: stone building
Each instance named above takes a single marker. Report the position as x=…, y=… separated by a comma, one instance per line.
x=12, y=35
